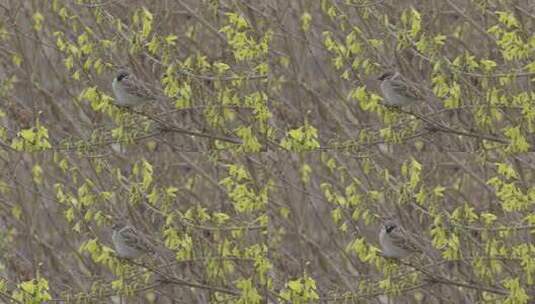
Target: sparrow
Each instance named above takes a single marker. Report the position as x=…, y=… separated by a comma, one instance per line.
x=397, y=92
x=394, y=241
x=127, y=242
x=129, y=91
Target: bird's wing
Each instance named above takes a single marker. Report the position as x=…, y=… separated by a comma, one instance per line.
x=404, y=89
x=135, y=87
x=133, y=239
x=401, y=239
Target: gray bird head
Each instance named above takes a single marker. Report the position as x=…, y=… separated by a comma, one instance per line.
x=390, y=226
x=122, y=74
x=386, y=75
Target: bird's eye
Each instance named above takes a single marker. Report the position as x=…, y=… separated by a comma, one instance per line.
x=122, y=76
x=389, y=228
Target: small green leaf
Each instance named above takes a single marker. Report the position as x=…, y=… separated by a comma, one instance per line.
x=38, y=21
x=305, y=21
x=171, y=39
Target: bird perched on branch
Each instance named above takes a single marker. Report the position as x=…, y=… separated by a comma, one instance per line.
x=128, y=243
x=397, y=92
x=130, y=91
x=395, y=242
